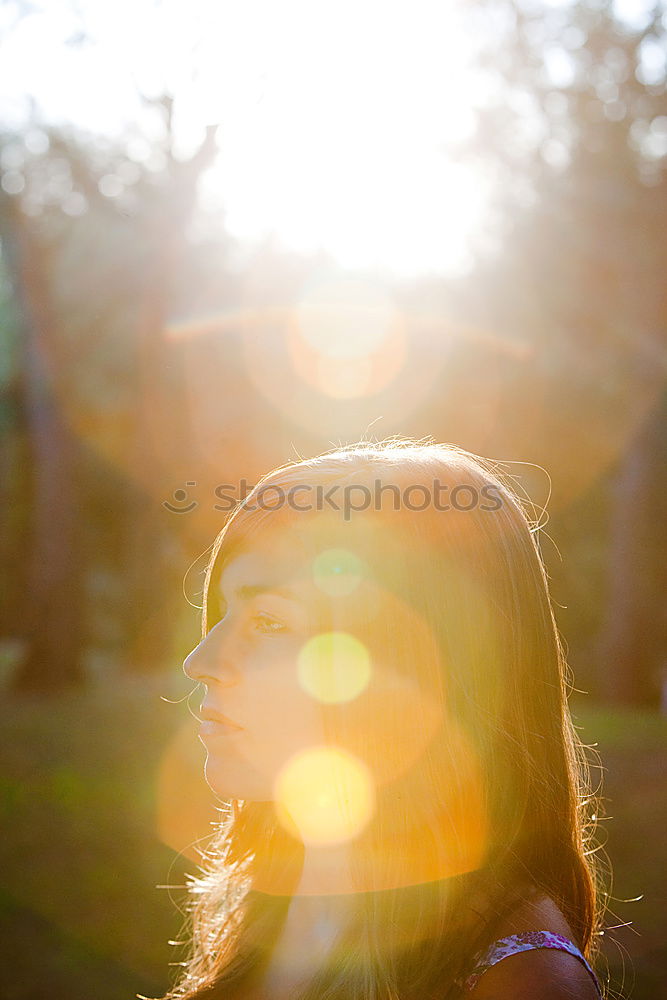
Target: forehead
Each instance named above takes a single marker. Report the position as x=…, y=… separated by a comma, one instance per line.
x=271, y=564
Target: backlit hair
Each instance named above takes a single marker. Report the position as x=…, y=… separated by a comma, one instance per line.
x=505, y=778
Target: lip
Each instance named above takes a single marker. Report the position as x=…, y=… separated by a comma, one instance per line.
x=219, y=730
x=210, y=718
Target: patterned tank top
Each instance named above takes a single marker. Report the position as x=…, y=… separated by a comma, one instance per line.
x=515, y=943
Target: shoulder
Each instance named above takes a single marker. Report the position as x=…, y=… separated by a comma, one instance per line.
x=536, y=913
x=540, y=973
x=536, y=975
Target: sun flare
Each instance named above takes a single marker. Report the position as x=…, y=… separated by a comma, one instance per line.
x=338, y=123
x=325, y=794
x=340, y=133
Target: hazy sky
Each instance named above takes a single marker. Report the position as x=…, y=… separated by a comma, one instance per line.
x=335, y=116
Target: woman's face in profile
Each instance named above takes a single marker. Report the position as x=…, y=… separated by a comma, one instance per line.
x=256, y=662
x=247, y=664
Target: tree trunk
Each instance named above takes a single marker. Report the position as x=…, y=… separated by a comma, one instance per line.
x=633, y=644
x=53, y=603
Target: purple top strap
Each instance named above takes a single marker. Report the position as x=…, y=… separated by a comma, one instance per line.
x=515, y=943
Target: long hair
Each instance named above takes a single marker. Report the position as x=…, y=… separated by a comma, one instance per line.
x=496, y=805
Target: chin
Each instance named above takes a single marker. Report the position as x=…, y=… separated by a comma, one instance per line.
x=228, y=783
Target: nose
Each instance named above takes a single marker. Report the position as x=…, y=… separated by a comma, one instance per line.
x=191, y=664
x=209, y=662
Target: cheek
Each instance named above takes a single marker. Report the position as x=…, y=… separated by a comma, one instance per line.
x=285, y=717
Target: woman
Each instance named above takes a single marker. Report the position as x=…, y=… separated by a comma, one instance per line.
x=385, y=711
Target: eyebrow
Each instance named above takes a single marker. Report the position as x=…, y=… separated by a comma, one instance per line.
x=247, y=591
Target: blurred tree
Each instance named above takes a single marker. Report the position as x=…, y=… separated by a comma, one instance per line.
x=52, y=606
x=162, y=410
x=633, y=639
x=14, y=465
x=576, y=125
x=98, y=381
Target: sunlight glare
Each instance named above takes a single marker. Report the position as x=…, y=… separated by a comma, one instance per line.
x=325, y=794
x=346, y=147
x=334, y=667
x=337, y=572
x=347, y=337
x=338, y=124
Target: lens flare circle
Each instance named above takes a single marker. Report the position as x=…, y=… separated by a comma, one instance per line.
x=346, y=337
x=334, y=667
x=348, y=319
x=325, y=795
x=337, y=572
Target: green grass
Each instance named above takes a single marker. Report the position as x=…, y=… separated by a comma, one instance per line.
x=78, y=798
x=632, y=745
x=81, y=916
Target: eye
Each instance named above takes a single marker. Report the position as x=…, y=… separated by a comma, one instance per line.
x=267, y=624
